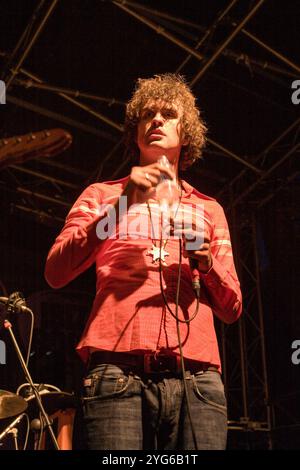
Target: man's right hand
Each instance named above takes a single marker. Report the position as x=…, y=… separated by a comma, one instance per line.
x=143, y=179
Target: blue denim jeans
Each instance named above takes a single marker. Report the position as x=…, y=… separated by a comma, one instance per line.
x=125, y=411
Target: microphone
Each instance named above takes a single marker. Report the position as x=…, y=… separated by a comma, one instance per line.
x=18, y=305
x=195, y=276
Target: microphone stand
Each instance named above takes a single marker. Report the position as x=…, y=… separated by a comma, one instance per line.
x=14, y=432
x=11, y=429
x=48, y=423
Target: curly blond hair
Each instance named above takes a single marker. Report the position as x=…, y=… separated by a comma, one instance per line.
x=170, y=88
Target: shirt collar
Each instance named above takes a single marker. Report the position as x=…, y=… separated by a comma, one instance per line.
x=187, y=188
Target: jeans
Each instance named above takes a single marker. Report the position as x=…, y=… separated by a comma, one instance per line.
x=125, y=411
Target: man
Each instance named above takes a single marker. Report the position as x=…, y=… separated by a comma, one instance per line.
x=139, y=393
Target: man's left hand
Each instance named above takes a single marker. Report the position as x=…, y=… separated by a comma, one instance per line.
x=202, y=254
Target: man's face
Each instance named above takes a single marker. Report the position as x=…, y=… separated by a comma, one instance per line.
x=159, y=130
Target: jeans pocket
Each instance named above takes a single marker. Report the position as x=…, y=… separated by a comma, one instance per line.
x=105, y=381
x=209, y=388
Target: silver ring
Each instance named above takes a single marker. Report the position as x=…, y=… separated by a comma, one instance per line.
x=147, y=176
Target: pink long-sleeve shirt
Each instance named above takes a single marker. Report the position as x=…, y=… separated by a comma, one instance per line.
x=128, y=312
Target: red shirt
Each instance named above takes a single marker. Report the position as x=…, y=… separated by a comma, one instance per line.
x=128, y=312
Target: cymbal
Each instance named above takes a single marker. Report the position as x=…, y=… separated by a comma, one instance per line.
x=52, y=402
x=11, y=404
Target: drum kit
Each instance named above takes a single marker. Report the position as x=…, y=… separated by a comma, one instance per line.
x=40, y=404
x=58, y=404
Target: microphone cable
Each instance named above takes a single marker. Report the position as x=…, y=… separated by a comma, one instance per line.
x=197, y=293
x=178, y=321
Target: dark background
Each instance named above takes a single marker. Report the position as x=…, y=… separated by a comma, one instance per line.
x=245, y=96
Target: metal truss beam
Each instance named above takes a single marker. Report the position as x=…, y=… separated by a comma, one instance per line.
x=270, y=49
x=43, y=196
x=181, y=44
x=207, y=33
x=15, y=70
x=279, y=187
x=243, y=344
x=41, y=215
x=200, y=57
x=42, y=176
x=164, y=15
x=79, y=104
x=267, y=173
x=60, y=118
x=118, y=127
x=221, y=48
x=66, y=91
x=236, y=57
x=261, y=328
x=229, y=153
x=158, y=29
x=261, y=158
